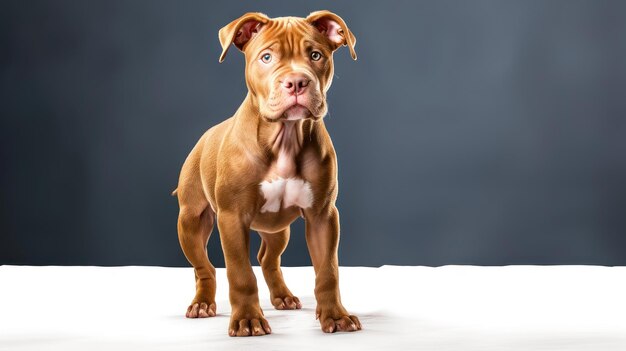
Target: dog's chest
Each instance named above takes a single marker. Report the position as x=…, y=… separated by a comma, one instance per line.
x=286, y=192
x=281, y=187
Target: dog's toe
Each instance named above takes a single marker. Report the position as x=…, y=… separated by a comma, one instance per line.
x=201, y=310
x=336, y=318
x=287, y=303
x=249, y=327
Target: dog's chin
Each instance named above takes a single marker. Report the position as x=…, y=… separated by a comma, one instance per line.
x=293, y=113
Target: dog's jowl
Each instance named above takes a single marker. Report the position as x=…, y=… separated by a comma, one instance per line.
x=269, y=163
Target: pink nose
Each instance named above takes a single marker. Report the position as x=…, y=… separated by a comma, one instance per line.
x=295, y=84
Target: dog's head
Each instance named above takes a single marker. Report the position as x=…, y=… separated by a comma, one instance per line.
x=289, y=60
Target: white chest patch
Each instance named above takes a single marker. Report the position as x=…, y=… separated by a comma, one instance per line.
x=288, y=192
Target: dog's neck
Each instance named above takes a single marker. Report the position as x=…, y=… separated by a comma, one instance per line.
x=286, y=146
x=280, y=140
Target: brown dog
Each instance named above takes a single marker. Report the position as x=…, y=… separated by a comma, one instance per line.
x=262, y=168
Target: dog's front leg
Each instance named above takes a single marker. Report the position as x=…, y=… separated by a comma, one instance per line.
x=246, y=317
x=322, y=237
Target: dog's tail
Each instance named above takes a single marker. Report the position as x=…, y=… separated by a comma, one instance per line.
x=175, y=192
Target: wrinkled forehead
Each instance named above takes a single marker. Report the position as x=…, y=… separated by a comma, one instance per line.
x=289, y=35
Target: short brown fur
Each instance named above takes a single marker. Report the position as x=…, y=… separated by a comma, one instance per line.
x=220, y=179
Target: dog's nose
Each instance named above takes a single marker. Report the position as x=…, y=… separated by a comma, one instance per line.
x=295, y=84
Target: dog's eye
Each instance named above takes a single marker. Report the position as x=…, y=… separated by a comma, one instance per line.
x=266, y=58
x=316, y=55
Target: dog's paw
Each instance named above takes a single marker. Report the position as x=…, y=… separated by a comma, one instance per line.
x=336, y=318
x=288, y=302
x=201, y=310
x=245, y=322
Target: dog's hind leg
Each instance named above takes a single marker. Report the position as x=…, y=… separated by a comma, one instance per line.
x=272, y=246
x=195, y=223
x=194, y=231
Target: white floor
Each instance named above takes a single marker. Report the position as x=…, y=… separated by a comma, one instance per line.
x=402, y=308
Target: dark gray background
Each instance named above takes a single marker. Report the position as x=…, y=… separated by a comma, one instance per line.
x=468, y=132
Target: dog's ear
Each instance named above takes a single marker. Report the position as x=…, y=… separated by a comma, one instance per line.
x=240, y=31
x=334, y=28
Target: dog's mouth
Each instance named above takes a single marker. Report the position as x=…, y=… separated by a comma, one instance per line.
x=292, y=108
x=295, y=112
